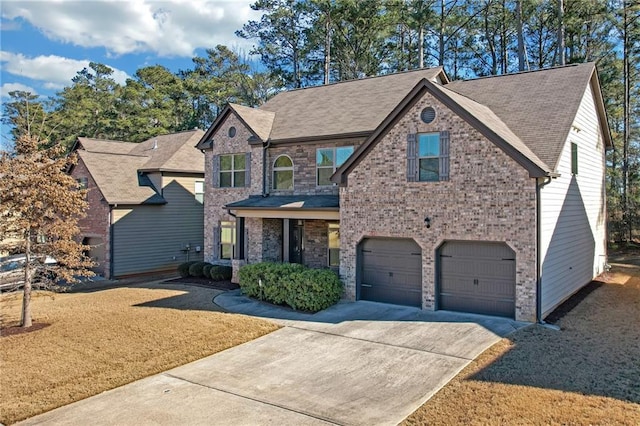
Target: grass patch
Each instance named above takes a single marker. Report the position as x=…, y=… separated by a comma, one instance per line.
x=104, y=339
x=585, y=374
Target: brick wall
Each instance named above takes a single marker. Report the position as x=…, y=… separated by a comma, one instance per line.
x=489, y=197
x=96, y=222
x=316, y=243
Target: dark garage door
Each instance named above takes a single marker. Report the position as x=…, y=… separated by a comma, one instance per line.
x=391, y=271
x=478, y=277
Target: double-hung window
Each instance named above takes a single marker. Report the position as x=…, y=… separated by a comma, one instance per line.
x=328, y=160
x=428, y=157
x=231, y=170
x=199, y=191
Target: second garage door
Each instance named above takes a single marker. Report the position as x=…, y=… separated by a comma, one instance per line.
x=478, y=277
x=390, y=271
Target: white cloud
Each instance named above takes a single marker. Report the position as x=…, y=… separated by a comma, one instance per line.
x=166, y=28
x=11, y=87
x=55, y=71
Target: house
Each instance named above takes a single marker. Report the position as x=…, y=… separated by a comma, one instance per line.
x=145, y=202
x=483, y=196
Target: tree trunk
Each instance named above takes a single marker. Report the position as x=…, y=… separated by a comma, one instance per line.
x=421, y=47
x=626, y=121
x=327, y=47
x=441, y=34
x=521, y=65
x=561, y=48
x=26, y=295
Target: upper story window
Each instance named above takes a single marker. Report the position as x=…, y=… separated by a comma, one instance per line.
x=428, y=157
x=199, y=191
x=232, y=132
x=232, y=170
x=328, y=160
x=574, y=158
x=283, y=173
x=83, y=182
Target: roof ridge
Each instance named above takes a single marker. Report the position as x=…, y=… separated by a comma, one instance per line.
x=122, y=154
x=178, y=149
x=556, y=67
x=335, y=83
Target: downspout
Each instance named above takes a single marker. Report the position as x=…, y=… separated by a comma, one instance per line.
x=539, y=186
x=265, y=146
x=111, y=242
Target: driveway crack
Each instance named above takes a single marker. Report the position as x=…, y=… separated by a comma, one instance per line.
x=324, y=419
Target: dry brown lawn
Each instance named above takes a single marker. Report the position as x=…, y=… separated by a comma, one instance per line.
x=586, y=374
x=103, y=339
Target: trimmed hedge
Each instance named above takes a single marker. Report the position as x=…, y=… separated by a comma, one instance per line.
x=292, y=284
x=183, y=268
x=206, y=270
x=195, y=270
x=220, y=272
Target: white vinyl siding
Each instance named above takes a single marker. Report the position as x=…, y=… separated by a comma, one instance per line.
x=573, y=213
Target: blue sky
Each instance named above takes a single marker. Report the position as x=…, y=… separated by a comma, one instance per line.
x=43, y=44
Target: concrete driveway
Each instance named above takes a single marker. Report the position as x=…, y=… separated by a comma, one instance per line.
x=357, y=363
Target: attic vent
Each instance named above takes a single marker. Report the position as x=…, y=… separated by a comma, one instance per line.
x=428, y=115
x=232, y=131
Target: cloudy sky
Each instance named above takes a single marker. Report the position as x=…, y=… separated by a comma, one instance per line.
x=43, y=44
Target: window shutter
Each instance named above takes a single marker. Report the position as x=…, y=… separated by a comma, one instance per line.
x=412, y=157
x=216, y=242
x=444, y=155
x=247, y=169
x=216, y=171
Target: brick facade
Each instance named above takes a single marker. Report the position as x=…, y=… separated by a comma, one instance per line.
x=489, y=197
x=95, y=225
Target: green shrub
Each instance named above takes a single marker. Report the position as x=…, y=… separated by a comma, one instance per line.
x=291, y=284
x=183, y=268
x=220, y=272
x=195, y=270
x=206, y=269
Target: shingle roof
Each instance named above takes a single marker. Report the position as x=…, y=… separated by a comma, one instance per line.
x=115, y=165
x=538, y=106
x=105, y=145
x=350, y=107
x=258, y=120
x=174, y=152
x=288, y=202
x=117, y=177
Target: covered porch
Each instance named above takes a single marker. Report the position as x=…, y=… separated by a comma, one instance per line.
x=301, y=229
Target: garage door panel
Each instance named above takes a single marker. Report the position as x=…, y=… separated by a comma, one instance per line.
x=391, y=271
x=477, y=277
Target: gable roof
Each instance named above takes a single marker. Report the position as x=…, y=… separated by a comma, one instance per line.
x=477, y=115
x=116, y=175
x=538, y=106
x=344, y=109
x=119, y=168
x=354, y=107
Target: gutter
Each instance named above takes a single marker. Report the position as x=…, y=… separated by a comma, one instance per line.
x=111, y=251
x=539, y=186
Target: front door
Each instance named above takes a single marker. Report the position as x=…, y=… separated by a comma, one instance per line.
x=296, y=241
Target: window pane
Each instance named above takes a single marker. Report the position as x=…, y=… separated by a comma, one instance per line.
x=199, y=187
x=324, y=175
x=238, y=179
x=200, y=198
x=334, y=235
x=226, y=235
x=225, y=179
x=226, y=251
x=429, y=145
x=334, y=257
x=429, y=169
x=342, y=154
x=283, y=161
x=324, y=157
x=283, y=179
x=225, y=162
x=238, y=162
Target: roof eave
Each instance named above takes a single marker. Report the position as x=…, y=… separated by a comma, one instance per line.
x=318, y=138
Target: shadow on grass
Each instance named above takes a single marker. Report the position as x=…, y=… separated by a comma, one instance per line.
x=595, y=353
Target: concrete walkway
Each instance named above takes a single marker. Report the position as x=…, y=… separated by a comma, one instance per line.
x=357, y=363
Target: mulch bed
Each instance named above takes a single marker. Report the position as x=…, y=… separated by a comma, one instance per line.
x=12, y=331
x=205, y=282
